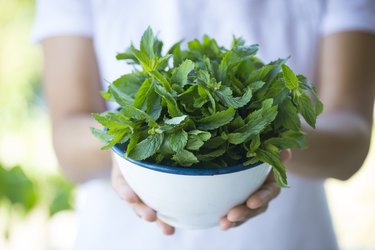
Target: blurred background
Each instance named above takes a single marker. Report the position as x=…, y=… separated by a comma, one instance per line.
x=36, y=201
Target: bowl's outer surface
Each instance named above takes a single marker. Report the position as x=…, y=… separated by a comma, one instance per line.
x=192, y=201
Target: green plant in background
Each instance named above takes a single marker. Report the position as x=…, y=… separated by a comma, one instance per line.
x=17, y=194
x=20, y=194
x=60, y=196
x=24, y=129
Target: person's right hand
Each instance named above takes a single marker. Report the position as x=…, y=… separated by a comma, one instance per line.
x=122, y=188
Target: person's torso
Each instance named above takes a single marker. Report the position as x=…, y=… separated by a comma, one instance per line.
x=298, y=218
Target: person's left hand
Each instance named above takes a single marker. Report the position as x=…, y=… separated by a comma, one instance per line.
x=257, y=203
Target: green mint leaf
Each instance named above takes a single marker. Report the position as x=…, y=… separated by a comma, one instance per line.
x=254, y=86
x=140, y=97
x=204, y=77
x=185, y=158
x=113, y=120
x=137, y=114
x=194, y=143
x=291, y=80
x=210, y=47
x=255, y=143
x=158, y=46
x=147, y=43
x=306, y=85
x=172, y=106
x=119, y=96
x=147, y=147
x=305, y=108
x=288, y=116
x=102, y=135
x=143, y=59
x=178, y=55
x=120, y=135
x=128, y=56
x=180, y=74
x=162, y=62
x=178, y=140
x=203, y=135
x=241, y=49
x=214, y=142
x=197, y=138
x=266, y=73
x=225, y=96
x=212, y=155
x=276, y=67
x=236, y=123
x=188, y=98
x=216, y=120
x=272, y=157
x=174, y=141
x=162, y=79
x=260, y=74
x=204, y=94
x=106, y=95
x=176, y=120
x=105, y=119
x=132, y=143
x=153, y=104
x=257, y=121
x=229, y=61
x=129, y=84
x=289, y=139
x=175, y=47
x=277, y=91
x=195, y=45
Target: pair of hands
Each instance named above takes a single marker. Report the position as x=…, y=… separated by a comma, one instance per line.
x=256, y=204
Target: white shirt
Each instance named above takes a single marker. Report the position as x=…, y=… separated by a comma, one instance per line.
x=299, y=218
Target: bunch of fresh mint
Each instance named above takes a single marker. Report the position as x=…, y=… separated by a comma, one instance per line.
x=207, y=106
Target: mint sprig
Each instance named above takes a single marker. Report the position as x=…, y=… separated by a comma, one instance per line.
x=207, y=106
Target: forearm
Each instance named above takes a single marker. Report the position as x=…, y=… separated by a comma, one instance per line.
x=337, y=148
x=72, y=86
x=77, y=150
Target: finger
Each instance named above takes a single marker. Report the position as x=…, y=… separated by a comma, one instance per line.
x=121, y=187
x=242, y=213
x=144, y=212
x=265, y=194
x=238, y=213
x=285, y=155
x=165, y=228
x=226, y=224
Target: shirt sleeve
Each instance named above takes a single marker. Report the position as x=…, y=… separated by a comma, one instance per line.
x=349, y=15
x=62, y=17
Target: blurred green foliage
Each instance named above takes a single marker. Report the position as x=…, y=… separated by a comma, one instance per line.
x=60, y=195
x=17, y=189
x=20, y=193
x=19, y=65
x=24, y=125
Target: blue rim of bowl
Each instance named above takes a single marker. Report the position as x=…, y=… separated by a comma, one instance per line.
x=184, y=170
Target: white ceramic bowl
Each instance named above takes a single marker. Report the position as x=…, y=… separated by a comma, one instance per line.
x=191, y=198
